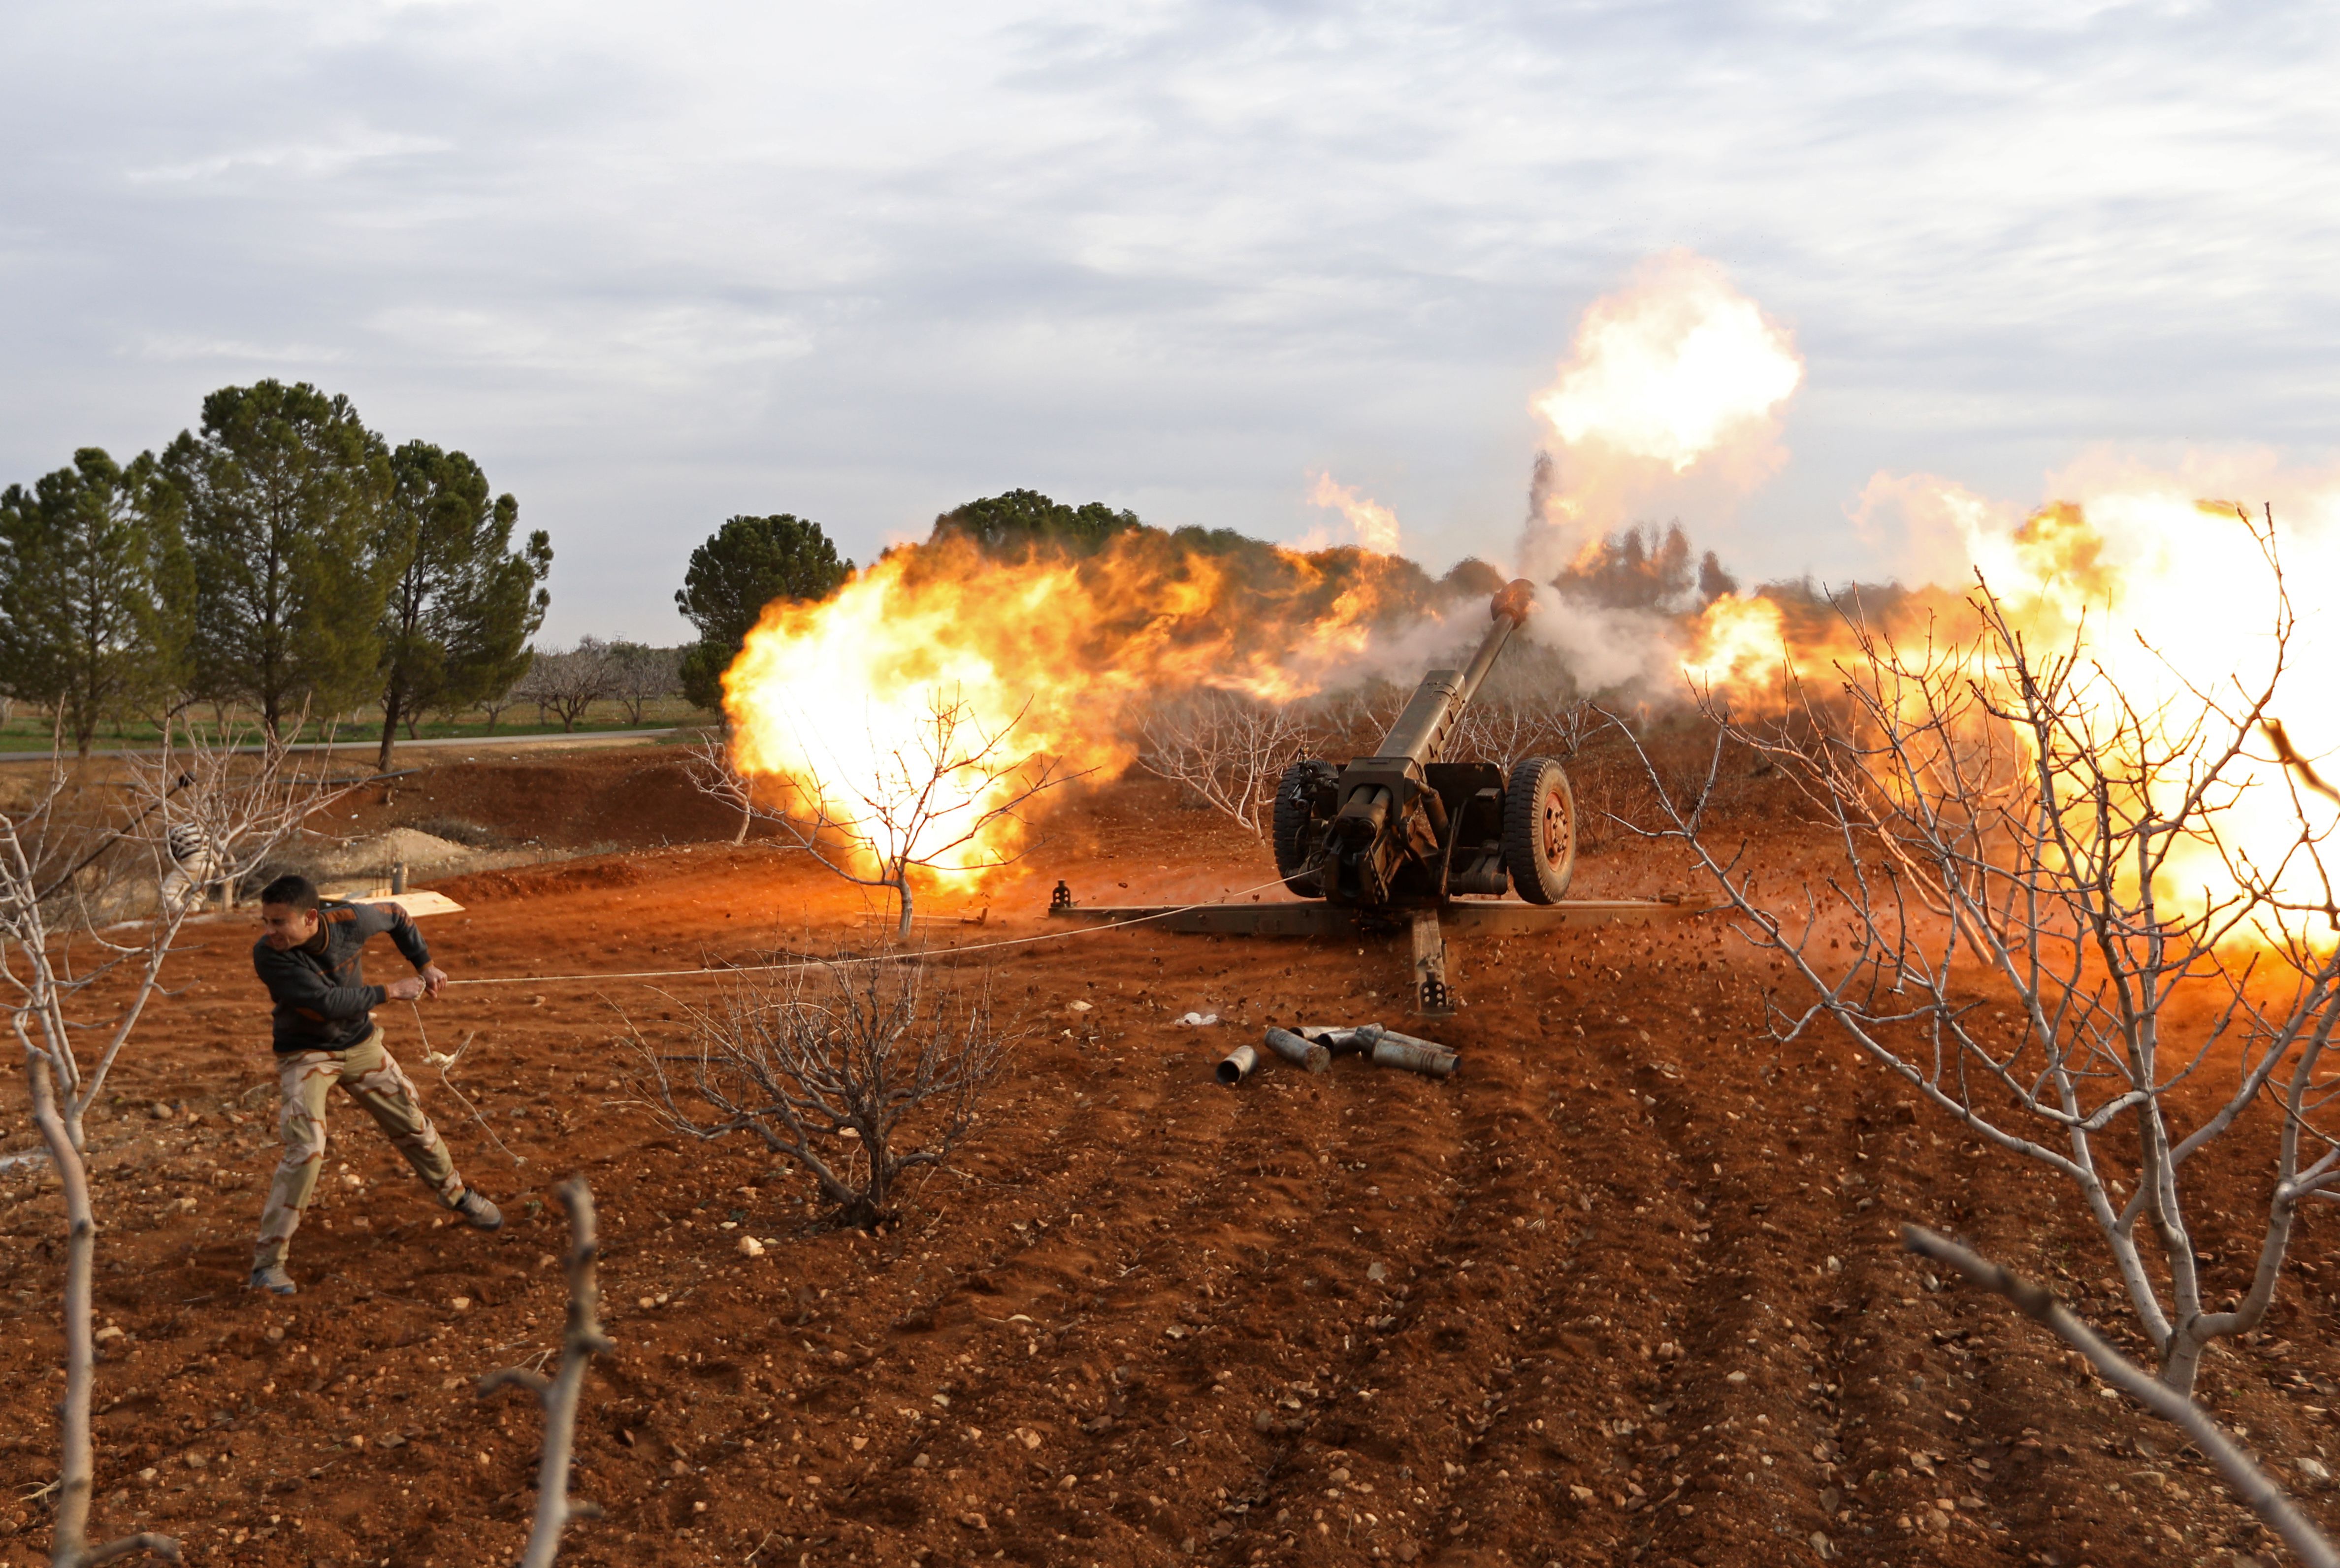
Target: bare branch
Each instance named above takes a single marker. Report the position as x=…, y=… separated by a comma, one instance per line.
x=581, y=1340
x=2038, y=1303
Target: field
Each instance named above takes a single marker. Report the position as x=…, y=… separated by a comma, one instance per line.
x=35, y=733
x=1626, y=1289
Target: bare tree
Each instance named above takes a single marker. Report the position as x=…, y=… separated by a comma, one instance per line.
x=1228, y=749
x=1524, y=724
x=940, y=796
x=496, y=702
x=2050, y=929
x=2036, y=1302
x=639, y=676
x=826, y=1062
x=64, y=867
x=221, y=796
x=566, y=684
x=582, y=1339
x=40, y=984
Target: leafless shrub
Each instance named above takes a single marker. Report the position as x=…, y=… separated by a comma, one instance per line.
x=827, y=1063
x=940, y=796
x=2019, y=947
x=580, y=1341
x=1352, y=721
x=714, y=774
x=1229, y=749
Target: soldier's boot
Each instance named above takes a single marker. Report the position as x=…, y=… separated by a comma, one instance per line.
x=272, y=1279
x=478, y=1212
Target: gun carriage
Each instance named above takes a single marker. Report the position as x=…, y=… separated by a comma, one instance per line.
x=1407, y=827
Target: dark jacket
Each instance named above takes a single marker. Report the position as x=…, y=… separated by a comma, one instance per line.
x=323, y=1000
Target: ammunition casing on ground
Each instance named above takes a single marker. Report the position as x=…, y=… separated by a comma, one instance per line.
x=1238, y=1064
x=1292, y=1048
x=1414, y=1057
x=1392, y=1049
x=1337, y=1038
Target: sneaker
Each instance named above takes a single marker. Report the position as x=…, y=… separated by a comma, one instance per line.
x=478, y=1212
x=273, y=1280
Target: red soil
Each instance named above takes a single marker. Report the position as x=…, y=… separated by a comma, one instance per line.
x=1625, y=1289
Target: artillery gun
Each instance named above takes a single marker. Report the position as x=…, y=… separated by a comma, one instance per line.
x=1407, y=828
x=1390, y=841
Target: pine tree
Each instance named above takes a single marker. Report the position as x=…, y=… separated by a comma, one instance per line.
x=93, y=592
x=744, y=566
x=456, y=623
x=290, y=530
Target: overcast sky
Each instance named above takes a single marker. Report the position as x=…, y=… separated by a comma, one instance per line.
x=653, y=265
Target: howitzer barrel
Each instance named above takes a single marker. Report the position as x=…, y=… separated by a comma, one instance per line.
x=1421, y=731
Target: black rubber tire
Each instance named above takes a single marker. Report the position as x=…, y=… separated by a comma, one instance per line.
x=1288, y=828
x=1539, y=830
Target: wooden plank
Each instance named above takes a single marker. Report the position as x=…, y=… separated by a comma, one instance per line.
x=416, y=904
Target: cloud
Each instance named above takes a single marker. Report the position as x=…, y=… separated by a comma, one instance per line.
x=654, y=266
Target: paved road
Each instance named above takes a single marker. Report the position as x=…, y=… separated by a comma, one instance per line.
x=476, y=742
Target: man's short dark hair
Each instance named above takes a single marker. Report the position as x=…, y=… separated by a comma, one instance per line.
x=291, y=890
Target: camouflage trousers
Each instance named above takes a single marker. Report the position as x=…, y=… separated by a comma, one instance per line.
x=372, y=1078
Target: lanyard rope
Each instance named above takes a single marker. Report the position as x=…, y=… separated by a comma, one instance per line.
x=879, y=958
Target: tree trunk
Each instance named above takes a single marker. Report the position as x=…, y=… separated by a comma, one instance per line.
x=76, y=1461
x=747, y=820
x=902, y=891
x=389, y=733
x=2183, y=1362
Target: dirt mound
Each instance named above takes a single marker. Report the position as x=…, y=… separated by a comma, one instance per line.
x=419, y=852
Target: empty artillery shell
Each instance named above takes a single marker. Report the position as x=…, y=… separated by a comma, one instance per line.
x=1238, y=1065
x=1292, y=1048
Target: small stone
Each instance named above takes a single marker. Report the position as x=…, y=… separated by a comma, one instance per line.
x=2314, y=1470
x=1407, y=1552
x=1826, y=1552
x=975, y=1522
x=750, y=1247
x=110, y=1331
x=461, y=1303
x=146, y=1476
x=1263, y=1422
x=920, y=1461
x=1735, y=1378
x=1080, y=1006
x=159, y=1111
x=1377, y=1273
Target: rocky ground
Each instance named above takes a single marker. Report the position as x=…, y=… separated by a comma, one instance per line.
x=1626, y=1289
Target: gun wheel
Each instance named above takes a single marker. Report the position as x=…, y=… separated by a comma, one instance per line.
x=1291, y=826
x=1539, y=830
